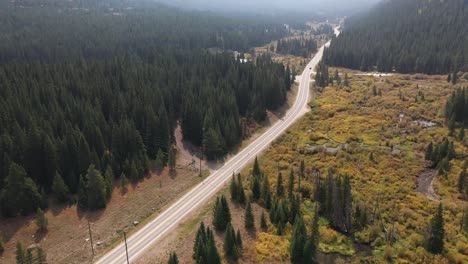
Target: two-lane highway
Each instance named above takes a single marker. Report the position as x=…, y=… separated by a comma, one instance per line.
x=203, y=192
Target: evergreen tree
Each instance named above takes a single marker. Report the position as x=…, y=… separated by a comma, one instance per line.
x=123, y=181
x=298, y=240
x=233, y=188
x=221, y=214
x=256, y=189
x=263, y=222
x=249, y=221
x=266, y=193
x=41, y=220
x=96, y=189
x=171, y=159
x=230, y=244
x=159, y=162
x=109, y=180
x=82, y=193
x=20, y=254
x=291, y=183
x=204, y=249
x=311, y=246
x=60, y=189
x=346, y=80
x=173, y=259
x=279, y=185
x=435, y=243
x=20, y=194
x=41, y=256
x=256, y=168
x=454, y=77
x=29, y=258
x=239, y=239
x=240, y=191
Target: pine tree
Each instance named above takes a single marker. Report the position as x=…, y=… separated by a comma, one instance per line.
x=20, y=256
x=204, y=249
x=429, y=151
x=266, y=193
x=41, y=256
x=298, y=240
x=239, y=239
x=41, y=220
x=159, y=162
x=291, y=183
x=256, y=190
x=279, y=185
x=2, y=244
x=256, y=168
x=96, y=189
x=346, y=80
x=347, y=205
x=449, y=77
x=451, y=125
x=311, y=246
x=462, y=181
x=455, y=77
x=435, y=243
x=171, y=159
x=173, y=259
x=249, y=221
x=233, y=188
x=221, y=214
x=29, y=258
x=123, y=181
x=230, y=244
x=240, y=190
x=109, y=179
x=211, y=252
x=263, y=222
x=60, y=189
x=82, y=193
x=20, y=193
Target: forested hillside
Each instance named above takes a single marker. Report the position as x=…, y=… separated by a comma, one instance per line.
x=89, y=95
x=406, y=35
x=59, y=30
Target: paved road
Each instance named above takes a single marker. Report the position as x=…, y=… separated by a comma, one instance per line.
x=202, y=193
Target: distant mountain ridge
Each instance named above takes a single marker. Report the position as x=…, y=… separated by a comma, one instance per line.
x=408, y=36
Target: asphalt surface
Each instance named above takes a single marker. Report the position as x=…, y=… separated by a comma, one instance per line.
x=201, y=194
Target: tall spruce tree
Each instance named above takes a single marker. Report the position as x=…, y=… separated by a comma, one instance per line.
x=173, y=259
x=279, y=185
x=298, y=241
x=231, y=248
x=249, y=221
x=435, y=242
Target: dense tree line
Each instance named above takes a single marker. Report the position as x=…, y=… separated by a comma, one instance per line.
x=88, y=97
x=408, y=36
x=53, y=30
x=298, y=47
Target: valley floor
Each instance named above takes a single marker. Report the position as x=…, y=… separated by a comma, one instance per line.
x=377, y=136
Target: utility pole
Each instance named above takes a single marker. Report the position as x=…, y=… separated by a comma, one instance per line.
x=90, y=238
x=126, y=249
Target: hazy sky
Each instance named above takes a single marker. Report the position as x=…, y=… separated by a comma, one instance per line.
x=277, y=6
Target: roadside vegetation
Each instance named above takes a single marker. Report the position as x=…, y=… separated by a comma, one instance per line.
x=346, y=177
x=375, y=132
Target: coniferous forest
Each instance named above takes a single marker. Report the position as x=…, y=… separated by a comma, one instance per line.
x=407, y=36
x=91, y=92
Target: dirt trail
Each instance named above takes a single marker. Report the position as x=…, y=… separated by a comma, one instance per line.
x=425, y=180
